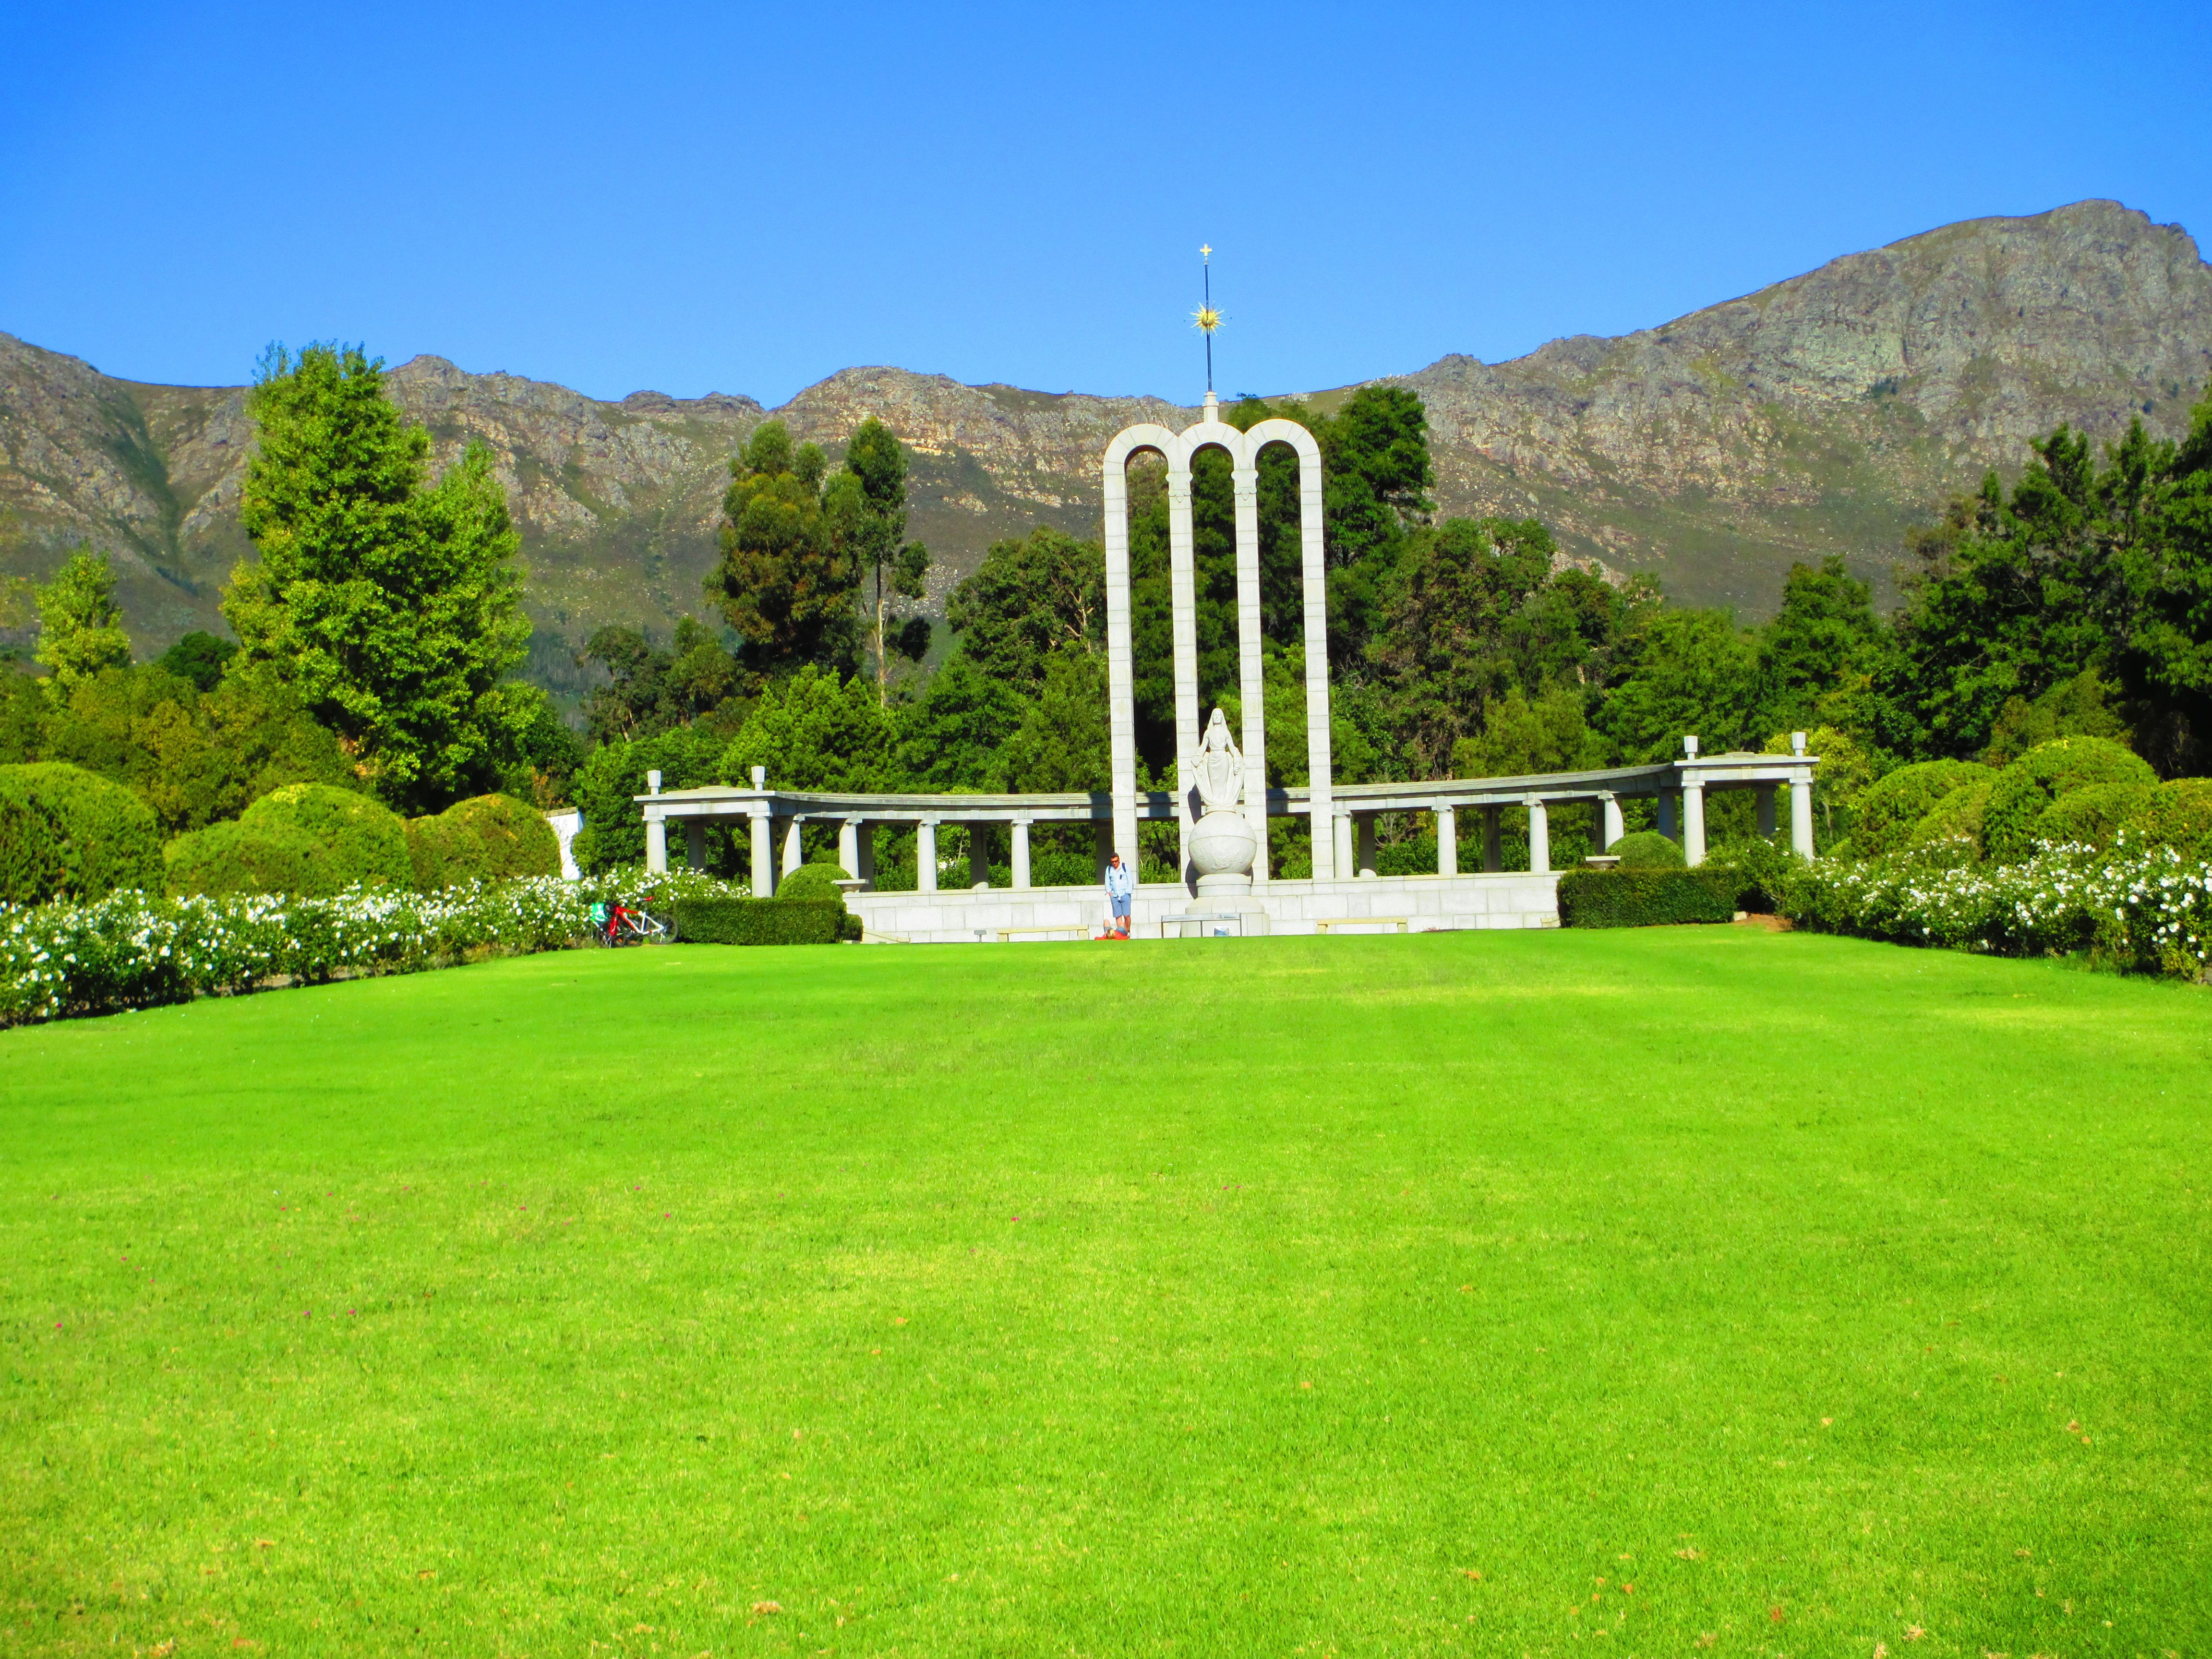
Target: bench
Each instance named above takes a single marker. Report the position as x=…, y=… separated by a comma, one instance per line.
x=1177, y=918
x=1403, y=924
x=1006, y=934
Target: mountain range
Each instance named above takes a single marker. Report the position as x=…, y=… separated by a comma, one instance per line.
x=1825, y=413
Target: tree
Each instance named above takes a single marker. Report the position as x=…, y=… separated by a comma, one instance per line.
x=2162, y=656
x=951, y=739
x=200, y=658
x=1027, y=598
x=80, y=625
x=1062, y=741
x=1687, y=673
x=877, y=530
x=394, y=610
x=789, y=572
x=1826, y=633
x=813, y=731
x=650, y=691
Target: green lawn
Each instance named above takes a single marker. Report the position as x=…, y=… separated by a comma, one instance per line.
x=1338, y=1297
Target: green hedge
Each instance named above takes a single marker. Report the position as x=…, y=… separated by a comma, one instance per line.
x=65, y=834
x=759, y=922
x=2039, y=777
x=1884, y=819
x=232, y=857
x=1646, y=898
x=484, y=838
x=1647, y=849
x=307, y=839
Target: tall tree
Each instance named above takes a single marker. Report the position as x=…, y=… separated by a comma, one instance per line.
x=1029, y=597
x=876, y=527
x=80, y=625
x=789, y=573
x=392, y=609
x=1825, y=635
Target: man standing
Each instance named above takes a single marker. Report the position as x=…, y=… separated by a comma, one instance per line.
x=1120, y=887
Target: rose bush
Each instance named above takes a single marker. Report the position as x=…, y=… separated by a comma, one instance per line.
x=132, y=950
x=2134, y=905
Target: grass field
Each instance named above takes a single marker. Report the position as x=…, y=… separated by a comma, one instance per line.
x=1339, y=1296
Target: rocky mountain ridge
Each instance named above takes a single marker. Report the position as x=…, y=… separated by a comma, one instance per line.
x=1824, y=413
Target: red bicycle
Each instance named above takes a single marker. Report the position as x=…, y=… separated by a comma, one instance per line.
x=618, y=924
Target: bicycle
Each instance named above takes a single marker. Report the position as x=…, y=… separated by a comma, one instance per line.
x=618, y=924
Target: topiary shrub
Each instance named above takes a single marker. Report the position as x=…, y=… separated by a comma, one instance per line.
x=2092, y=816
x=235, y=857
x=484, y=838
x=1761, y=867
x=1646, y=898
x=1647, y=849
x=812, y=883
x=2039, y=777
x=1893, y=807
x=759, y=922
x=1950, y=834
x=2177, y=814
x=360, y=841
x=65, y=834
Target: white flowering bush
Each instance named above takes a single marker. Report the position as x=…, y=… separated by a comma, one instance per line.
x=2134, y=906
x=132, y=951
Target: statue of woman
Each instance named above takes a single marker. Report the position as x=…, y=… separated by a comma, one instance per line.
x=1220, y=768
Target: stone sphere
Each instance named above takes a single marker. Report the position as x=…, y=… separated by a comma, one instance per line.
x=1222, y=844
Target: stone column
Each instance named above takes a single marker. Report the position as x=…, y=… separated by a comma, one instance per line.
x=1494, y=853
x=1251, y=681
x=656, y=845
x=794, y=850
x=764, y=860
x=1767, y=809
x=1609, y=831
x=1021, y=851
x=1120, y=684
x=1321, y=779
x=1364, y=861
x=1446, y=841
x=1182, y=618
x=864, y=852
x=1340, y=840
x=1800, y=815
x=695, y=843
x=848, y=847
x=1693, y=823
x=1539, y=838
x=925, y=856
x=979, y=855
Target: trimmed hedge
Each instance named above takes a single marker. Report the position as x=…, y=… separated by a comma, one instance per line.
x=67, y=834
x=2092, y=816
x=759, y=922
x=812, y=882
x=1647, y=849
x=1646, y=898
x=1951, y=832
x=2039, y=777
x=484, y=838
x=1884, y=819
x=2178, y=814
x=232, y=859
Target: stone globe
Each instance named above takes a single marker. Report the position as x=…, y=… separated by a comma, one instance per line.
x=1221, y=844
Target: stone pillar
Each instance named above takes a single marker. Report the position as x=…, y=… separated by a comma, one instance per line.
x=979, y=855
x=1609, y=831
x=1341, y=843
x=764, y=860
x=1539, y=838
x=1446, y=841
x=848, y=847
x=864, y=852
x=1021, y=851
x=656, y=845
x=1251, y=681
x=1667, y=813
x=1766, y=809
x=1182, y=618
x=695, y=843
x=1120, y=686
x=925, y=856
x=1800, y=815
x=1694, y=824
x=1493, y=854
x=1320, y=779
x=794, y=850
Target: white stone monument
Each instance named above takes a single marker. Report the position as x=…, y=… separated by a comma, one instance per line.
x=1242, y=449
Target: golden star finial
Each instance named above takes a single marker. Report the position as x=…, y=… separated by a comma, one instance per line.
x=1205, y=252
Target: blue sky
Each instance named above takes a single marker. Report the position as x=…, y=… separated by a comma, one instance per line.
x=746, y=199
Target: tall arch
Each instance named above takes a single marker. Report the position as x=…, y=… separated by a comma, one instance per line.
x=1243, y=451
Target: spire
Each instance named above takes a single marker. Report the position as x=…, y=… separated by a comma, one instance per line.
x=1205, y=318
